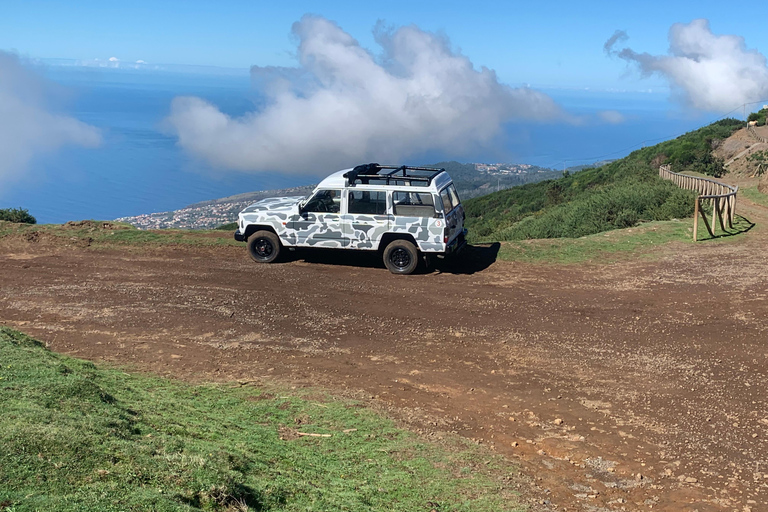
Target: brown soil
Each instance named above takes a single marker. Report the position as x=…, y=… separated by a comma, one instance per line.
x=736, y=150
x=630, y=386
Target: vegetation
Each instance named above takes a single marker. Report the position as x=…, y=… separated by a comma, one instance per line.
x=617, y=195
x=758, y=116
x=230, y=226
x=754, y=195
x=17, y=215
x=78, y=437
x=643, y=241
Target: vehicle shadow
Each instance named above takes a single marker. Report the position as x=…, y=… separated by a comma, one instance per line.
x=474, y=258
x=342, y=257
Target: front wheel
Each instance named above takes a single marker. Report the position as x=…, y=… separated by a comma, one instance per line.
x=401, y=257
x=264, y=246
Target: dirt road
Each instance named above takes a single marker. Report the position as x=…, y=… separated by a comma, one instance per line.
x=628, y=386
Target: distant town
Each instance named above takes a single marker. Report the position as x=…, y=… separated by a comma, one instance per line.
x=191, y=217
x=507, y=169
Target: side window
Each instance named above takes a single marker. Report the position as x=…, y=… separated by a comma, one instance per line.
x=324, y=201
x=370, y=203
x=454, y=195
x=413, y=204
x=445, y=196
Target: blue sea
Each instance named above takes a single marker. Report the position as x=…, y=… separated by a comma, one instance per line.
x=140, y=169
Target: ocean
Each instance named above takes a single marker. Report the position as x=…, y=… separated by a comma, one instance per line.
x=140, y=169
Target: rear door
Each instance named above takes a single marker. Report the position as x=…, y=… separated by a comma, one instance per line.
x=367, y=218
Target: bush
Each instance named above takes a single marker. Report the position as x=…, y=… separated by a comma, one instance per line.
x=229, y=226
x=17, y=215
x=758, y=116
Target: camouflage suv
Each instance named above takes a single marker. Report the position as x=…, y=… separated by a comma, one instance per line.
x=404, y=212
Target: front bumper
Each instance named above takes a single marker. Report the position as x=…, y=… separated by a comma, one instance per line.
x=241, y=237
x=458, y=243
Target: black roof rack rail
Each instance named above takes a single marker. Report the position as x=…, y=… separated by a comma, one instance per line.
x=373, y=171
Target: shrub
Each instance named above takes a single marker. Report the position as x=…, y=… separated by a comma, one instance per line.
x=17, y=215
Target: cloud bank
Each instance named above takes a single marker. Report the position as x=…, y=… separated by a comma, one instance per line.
x=611, y=116
x=342, y=105
x=26, y=127
x=710, y=72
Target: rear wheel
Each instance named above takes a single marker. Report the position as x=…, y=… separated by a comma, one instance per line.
x=401, y=257
x=264, y=246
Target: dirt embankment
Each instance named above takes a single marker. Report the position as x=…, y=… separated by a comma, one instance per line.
x=617, y=387
x=746, y=157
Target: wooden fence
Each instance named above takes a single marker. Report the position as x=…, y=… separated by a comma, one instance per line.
x=755, y=136
x=721, y=196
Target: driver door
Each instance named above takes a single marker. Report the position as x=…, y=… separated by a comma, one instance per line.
x=319, y=223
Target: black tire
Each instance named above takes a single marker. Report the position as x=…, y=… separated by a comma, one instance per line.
x=401, y=257
x=264, y=246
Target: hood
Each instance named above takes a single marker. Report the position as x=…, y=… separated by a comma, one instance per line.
x=274, y=204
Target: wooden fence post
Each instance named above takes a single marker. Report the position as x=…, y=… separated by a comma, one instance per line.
x=696, y=220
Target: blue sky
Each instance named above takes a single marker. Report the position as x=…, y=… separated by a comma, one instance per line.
x=546, y=44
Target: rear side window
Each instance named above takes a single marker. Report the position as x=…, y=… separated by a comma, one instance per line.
x=413, y=204
x=450, y=198
x=446, y=198
x=371, y=203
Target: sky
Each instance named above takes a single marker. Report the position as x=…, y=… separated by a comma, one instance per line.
x=320, y=86
x=552, y=44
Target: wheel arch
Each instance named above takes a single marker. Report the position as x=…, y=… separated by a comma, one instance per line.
x=388, y=238
x=252, y=228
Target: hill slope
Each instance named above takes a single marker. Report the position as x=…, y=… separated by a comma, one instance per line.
x=617, y=195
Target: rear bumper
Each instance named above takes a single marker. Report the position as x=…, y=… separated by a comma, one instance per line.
x=240, y=237
x=457, y=244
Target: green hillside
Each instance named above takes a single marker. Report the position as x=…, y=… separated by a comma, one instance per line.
x=617, y=195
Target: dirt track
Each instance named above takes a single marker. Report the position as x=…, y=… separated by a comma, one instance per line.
x=626, y=386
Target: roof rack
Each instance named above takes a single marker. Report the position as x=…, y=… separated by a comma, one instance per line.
x=373, y=171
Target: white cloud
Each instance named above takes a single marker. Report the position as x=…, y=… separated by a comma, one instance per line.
x=611, y=116
x=26, y=127
x=114, y=59
x=710, y=72
x=343, y=106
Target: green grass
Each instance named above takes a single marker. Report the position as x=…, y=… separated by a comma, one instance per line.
x=79, y=437
x=642, y=241
x=754, y=195
x=602, y=247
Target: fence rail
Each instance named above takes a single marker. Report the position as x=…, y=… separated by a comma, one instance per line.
x=721, y=196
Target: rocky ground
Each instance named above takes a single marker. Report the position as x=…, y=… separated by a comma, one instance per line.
x=629, y=386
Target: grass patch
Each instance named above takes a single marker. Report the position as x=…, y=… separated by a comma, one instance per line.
x=106, y=234
x=602, y=247
x=644, y=240
x=79, y=437
x=754, y=195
